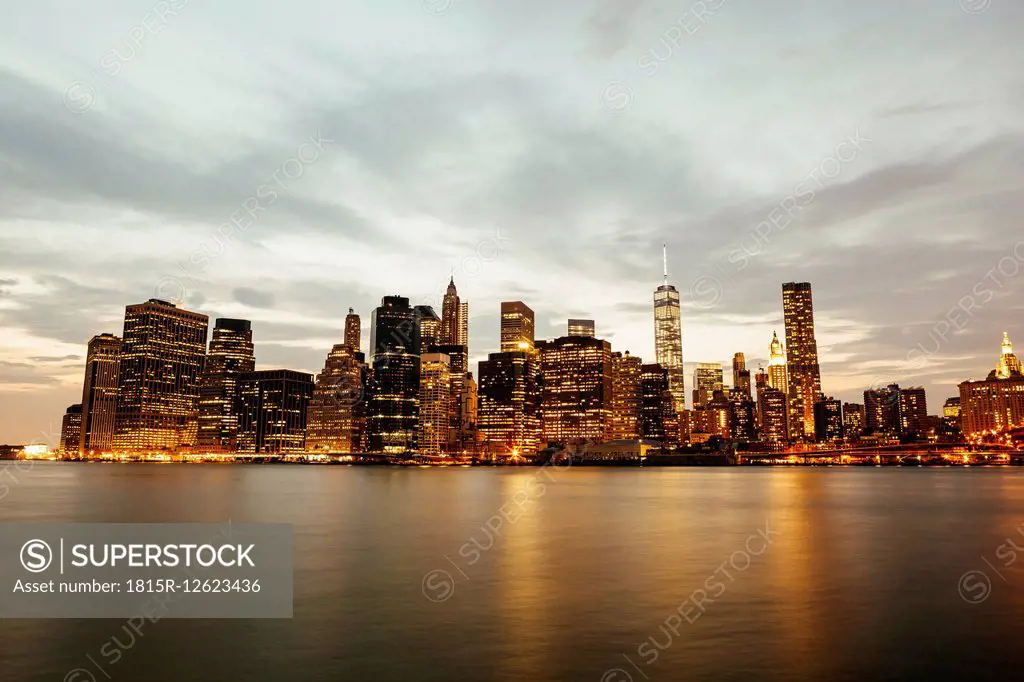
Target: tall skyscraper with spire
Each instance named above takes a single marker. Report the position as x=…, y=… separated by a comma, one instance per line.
x=801, y=357
x=777, y=377
x=451, y=311
x=668, y=336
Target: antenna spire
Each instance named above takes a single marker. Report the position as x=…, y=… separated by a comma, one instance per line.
x=664, y=258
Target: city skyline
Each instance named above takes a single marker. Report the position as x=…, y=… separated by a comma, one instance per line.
x=553, y=189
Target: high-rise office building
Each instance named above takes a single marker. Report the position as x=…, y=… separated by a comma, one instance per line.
x=714, y=416
x=517, y=327
x=627, y=396
x=742, y=416
x=741, y=375
x=451, y=309
x=656, y=401
x=777, y=376
x=470, y=415
x=853, y=420
x=435, y=403
x=430, y=328
x=951, y=408
x=393, y=409
x=882, y=410
x=828, y=420
x=272, y=411
x=99, y=393
x=708, y=378
x=913, y=412
x=801, y=357
x=509, y=403
x=336, y=417
x=577, y=375
x=581, y=328
x=162, y=356
x=71, y=431
x=1008, y=365
x=668, y=337
x=463, y=337
x=231, y=355
x=772, y=415
x=353, y=330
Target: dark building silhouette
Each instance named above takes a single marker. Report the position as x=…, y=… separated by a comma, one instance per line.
x=828, y=420
x=393, y=408
x=656, y=402
x=272, y=410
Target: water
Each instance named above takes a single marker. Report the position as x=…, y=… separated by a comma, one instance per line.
x=859, y=577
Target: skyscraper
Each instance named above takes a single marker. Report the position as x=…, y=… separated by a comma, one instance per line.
x=627, y=396
x=393, y=408
x=801, y=357
x=668, y=337
x=656, y=401
x=853, y=420
x=509, y=403
x=158, y=384
x=577, y=377
x=777, y=375
x=517, y=326
x=708, y=378
x=430, y=328
x=451, y=311
x=741, y=375
x=913, y=412
x=772, y=415
x=828, y=419
x=99, y=393
x=336, y=418
x=435, y=403
x=353, y=330
x=463, y=337
x=231, y=355
x=272, y=411
x=71, y=431
x=996, y=402
x=882, y=410
x=581, y=328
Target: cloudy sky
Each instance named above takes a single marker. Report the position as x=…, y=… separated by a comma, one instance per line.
x=284, y=161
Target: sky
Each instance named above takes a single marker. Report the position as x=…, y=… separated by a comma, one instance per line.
x=281, y=162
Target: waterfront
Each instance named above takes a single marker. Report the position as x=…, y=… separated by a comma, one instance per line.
x=859, y=578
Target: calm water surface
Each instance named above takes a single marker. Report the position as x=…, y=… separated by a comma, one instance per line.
x=860, y=581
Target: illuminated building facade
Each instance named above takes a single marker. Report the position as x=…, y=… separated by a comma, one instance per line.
x=741, y=375
x=627, y=396
x=231, y=355
x=801, y=357
x=430, y=328
x=336, y=417
x=996, y=403
x=99, y=393
x=353, y=330
x=393, y=409
x=714, y=416
x=708, y=378
x=272, y=411
x=71, y=431
x=668, y=337
x=913, y=412
x=777, y=376
x=463, y=338
x=853, y=420
x=577, y=376
x=828, y=420
x=951, y=408
x=435, y=403
x=509, y=403
x=772, y=415
x=163, y=352
x=581, y=328
x=517, y=327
